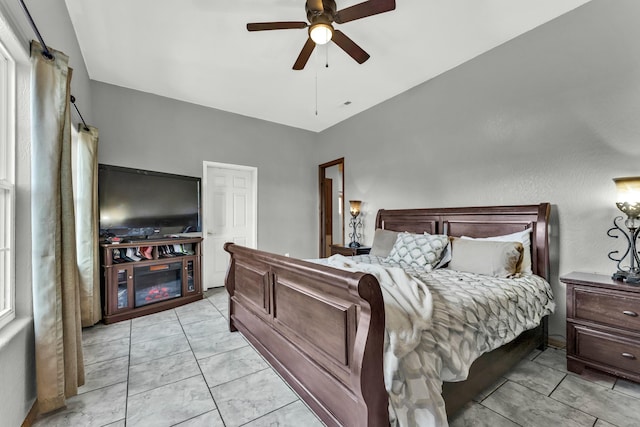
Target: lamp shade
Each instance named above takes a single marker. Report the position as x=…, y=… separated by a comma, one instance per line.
x=354, y=207
x=628, y=198
x=321, y=33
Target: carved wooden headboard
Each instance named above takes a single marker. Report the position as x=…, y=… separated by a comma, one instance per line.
x=478, y=222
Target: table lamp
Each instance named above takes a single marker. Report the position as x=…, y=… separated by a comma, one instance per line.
x=628, y=201
x=355, y=223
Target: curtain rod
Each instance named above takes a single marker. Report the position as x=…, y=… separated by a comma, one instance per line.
x=73, y=101
x=47, y=54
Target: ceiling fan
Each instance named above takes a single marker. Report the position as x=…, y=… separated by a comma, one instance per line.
x=321, y=14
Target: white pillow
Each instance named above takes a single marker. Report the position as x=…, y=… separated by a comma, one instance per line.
x=523, y=237
x=422, y=250
x=490, y=257
x=383, y=241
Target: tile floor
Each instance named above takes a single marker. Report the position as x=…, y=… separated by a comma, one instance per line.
x=182, y=367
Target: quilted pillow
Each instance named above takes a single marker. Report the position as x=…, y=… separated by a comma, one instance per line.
x=493, y=258
x=421, y=250
x=446, y=255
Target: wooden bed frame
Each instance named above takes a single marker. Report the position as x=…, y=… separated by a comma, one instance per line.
x=322, y=328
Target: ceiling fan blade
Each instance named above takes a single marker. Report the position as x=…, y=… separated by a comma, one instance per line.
x=315, y=5
x=305, y=53
x=364, y=9
x=262, y=26
x=349, y=46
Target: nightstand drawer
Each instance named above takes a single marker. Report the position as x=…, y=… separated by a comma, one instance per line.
x=611, y=308
x=611, y=350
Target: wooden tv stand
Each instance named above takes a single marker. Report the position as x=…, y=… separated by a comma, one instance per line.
x=164, y=275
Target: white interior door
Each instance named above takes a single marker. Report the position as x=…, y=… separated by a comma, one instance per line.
x=229, y=213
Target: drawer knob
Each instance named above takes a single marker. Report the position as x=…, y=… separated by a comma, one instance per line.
x=628, y=356
x=630, y=313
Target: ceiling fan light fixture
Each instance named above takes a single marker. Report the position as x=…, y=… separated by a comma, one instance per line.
x=321, y=33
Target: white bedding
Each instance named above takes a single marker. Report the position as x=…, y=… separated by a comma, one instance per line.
x=438, y=323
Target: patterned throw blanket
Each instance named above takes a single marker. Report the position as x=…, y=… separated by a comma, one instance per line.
x=438, y=323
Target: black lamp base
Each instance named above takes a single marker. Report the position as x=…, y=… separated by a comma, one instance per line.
x=354, y=245
x=626, y=276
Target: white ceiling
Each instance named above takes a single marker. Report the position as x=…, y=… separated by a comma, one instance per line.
x=199, y=51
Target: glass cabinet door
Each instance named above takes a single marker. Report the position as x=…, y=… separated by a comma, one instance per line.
x=124, y=280
x=189, y=269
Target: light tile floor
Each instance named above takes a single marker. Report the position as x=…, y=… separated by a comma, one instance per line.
x=183, y=367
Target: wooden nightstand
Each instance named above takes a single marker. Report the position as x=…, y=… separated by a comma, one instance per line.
x=603, y=325
x=347, y=251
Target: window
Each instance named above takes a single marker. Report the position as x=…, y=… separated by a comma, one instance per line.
x=7, y=191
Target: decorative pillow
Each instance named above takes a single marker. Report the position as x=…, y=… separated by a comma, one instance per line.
x=446, y=255
x=421, y=250
x=383, y=241
x=493, y=258
x=523, y=237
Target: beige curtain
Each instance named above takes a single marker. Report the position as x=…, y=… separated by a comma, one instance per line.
x=56, y=297
x=85, y=189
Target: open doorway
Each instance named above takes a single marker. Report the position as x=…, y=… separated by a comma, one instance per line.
x=331, y=182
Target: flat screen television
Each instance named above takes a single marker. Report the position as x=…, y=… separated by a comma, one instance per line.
x=136, y=203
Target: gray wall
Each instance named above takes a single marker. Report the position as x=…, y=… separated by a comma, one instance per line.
x=550, y=116
x=17, y=361
x=146, y=131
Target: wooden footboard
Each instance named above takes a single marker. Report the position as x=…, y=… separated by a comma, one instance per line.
x=327, y=341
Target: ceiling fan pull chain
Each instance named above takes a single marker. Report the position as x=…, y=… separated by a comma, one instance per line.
x=327, y=56
x=316, y=93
